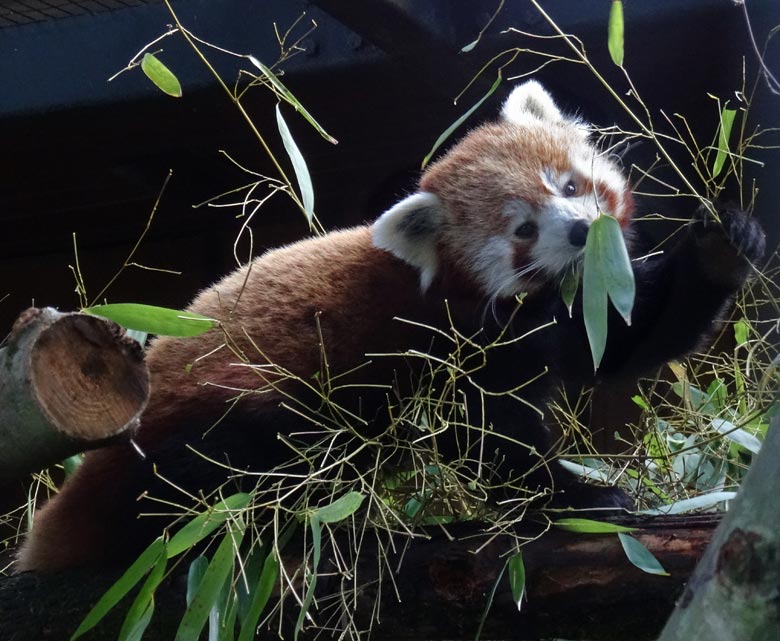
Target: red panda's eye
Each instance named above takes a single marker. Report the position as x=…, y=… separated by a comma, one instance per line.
x=570, y=189
x=526, y=230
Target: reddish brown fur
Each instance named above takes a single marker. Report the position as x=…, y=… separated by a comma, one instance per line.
x=358, y=287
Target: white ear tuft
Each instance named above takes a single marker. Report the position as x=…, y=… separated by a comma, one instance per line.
x=530, y=100
x=408, y=230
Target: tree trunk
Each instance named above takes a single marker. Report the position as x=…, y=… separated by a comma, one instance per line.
x=579, y=586
x=734, y=594
x=68, y=383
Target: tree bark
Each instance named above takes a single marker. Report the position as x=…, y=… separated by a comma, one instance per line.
x=579, y=586
x=734, y=594
x=68, y=383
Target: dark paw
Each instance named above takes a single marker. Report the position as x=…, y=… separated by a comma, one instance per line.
x=729, y=245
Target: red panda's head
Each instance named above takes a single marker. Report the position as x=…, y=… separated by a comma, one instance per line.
x=510, y=205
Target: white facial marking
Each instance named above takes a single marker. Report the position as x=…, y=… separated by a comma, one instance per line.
x=493, y=265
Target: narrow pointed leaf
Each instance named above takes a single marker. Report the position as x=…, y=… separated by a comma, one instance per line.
x=145, y=562
x=585, y=471
x=516, y=569
x=160, y=75
x=195, y=575
x=448, y=132
x=299, y=166
x=338, y=510
x=589, y=526
x=701, y=502
x=154, y=320
x=724, y=133
x=260, y=597
x=341, y=508
x=594, y=298
x=285, y=94
x=619, y=276
x=615, y=32
x=737, y=435
x=211, y=585
x=205, y=523
x=316, y=544
x=569, y=286
x=606, y=275
x=137, y=633
x=140, y=613
x=741, y=331
x=640, y=556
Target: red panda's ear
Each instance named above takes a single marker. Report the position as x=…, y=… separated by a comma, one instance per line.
x=409, y=231
x=530, y=101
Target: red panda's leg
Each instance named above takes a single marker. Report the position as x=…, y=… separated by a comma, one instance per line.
x=92, y=519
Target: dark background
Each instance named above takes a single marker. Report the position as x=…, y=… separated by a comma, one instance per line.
x=87, y=157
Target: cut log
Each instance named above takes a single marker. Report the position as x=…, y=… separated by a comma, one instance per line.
x=68, y=383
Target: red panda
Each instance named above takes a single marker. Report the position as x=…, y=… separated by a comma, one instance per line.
x=497, y=219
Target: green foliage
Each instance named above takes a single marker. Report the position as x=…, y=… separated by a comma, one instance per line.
x=589, y=526
x=154, y=320
x=205, y=597
x=160, y=75
x=516, y=568
x=606, y=275
x=640, y=556
x=724, y=132
x=615, y=32
x=299, y=166
x=285, y=94
x=206, y=580
x=132, y=576
x=334, y=512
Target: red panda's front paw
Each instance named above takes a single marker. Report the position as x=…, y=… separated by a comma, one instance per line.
x=729, y=245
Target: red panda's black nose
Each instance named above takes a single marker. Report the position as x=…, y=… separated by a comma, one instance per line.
x=578, y=232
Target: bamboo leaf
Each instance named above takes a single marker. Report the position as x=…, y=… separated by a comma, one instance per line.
x=606, y=275
x=640, y=556
x=594, y=297
x=211, y=585
x=569, y=286
x=741, y=331
x=195, y=575
x=299, y=166
x=205, y=523
x=724, y=133
x=588, y=526
x=737, y=435
x=72, y=463
x=148, y=559
x=260, y=597
x=140, y=613
x=701, y=502
x=619, y=276
x=316, y=544
x=516, y=569
x=340, y=509
x=584, y=471
x=154, y=320
x=448, y=132
x=615, y=32
x=285, y=94
x=160, y=75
